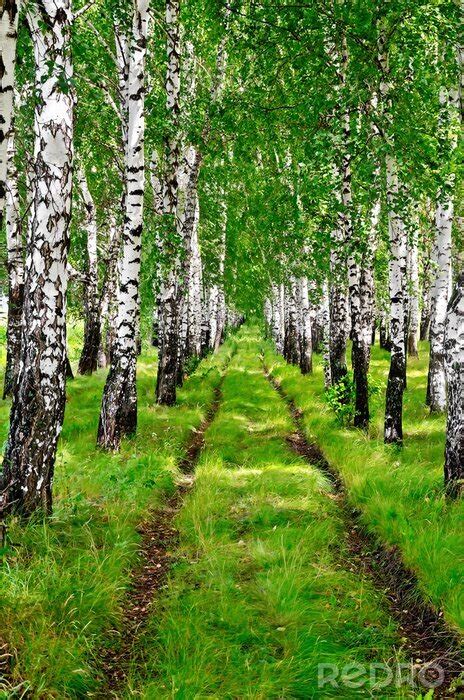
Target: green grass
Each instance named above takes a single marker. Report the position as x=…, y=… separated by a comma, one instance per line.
x=62, y=583
x=262, y=592
x=399, y=491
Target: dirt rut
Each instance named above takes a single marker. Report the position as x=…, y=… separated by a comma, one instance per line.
x=159, y=539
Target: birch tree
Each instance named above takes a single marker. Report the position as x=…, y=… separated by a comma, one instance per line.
x=9, y=11
x=442, y=259
x=15, y=264
x=118, y=416
x=393, y=430
x=413, y=276
x=338, y=306
x=325, y=323
x=454, y=364
x=92, y=333
x=218, y=308
x=393, y=426
x=108, y=298
x=171, y=294
x=39, y=398
x=306, y=360
x=291, y=341
x=195, y=288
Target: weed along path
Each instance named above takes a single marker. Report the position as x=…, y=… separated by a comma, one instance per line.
x=433, y=649
x=159, y=538
x=264, y=599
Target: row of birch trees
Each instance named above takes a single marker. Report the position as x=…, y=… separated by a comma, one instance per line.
x=107, y=152
x=168, y=168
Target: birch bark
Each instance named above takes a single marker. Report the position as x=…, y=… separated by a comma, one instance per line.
x=454, y=364
x=306, y=358
x=291, y=342
x=15, y=263
x=187, y=222
x=9, y=11
x=393, y=426
x=109, y=302
x=39, y=399
x=426, y=300
x=439, y=301
x=195, y=285
x=440, y=290
x=88, y=361
x=158, y=208
x=393, y=430
x=221, y=301
x=278, y=318
x=360, y=353
x=364, y=320
x=118, y=414
x=171, y=292
x=205, y=322
x=413, y=268
x=325, y=323
x=338, y=309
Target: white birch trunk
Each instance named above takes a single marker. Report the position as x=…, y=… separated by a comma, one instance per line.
x=109, y=304
x=89, y=357
x=278, y=318
x=172, y=291
x=439, y=303
x=413, y=268
x=157, y=188
x=15, y=263
x=221, y=301
x=440, y=292
x=172, y=104
x=205, y=323
x=291, y=342
x=454, y=365
x=118, y=415
x=364, y=319
x=306, y=348
x=194, y=292
x=338, y=309
x=213, y=314
x=426, y=295
x=393, y=431
x=39, y=399
x=393, y=426
x=325, y=323
x=9, y=10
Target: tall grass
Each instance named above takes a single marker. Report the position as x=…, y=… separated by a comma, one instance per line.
x=399, y=491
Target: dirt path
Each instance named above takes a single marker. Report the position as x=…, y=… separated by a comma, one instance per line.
x=433, y=648
x=159, y=538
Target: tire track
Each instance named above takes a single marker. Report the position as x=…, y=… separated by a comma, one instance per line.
x=434, y=649
x=159, y=539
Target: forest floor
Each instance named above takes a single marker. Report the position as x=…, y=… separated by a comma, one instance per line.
x=243, y=545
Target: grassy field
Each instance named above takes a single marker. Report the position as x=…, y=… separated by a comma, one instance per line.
x=400, y=491
x=62, y=587
x=263, y=592
x=263, y=589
